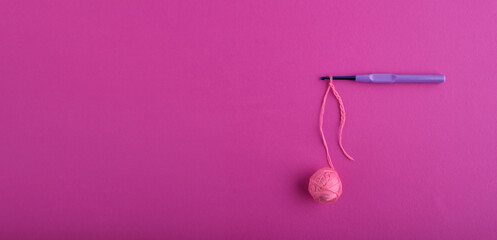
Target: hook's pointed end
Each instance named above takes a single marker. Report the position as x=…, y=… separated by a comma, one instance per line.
x=325, y=78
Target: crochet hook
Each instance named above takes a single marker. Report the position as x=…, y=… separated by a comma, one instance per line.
x=391, y=78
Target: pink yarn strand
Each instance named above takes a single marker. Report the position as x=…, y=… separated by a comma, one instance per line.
x=342, y=122
x=321, y=114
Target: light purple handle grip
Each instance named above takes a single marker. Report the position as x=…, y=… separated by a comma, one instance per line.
x=393, y=78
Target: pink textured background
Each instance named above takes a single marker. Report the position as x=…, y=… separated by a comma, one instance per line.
x=198, y=119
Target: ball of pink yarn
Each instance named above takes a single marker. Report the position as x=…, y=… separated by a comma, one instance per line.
x=325, y=185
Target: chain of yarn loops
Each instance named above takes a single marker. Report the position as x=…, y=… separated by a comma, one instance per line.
x=342, y=122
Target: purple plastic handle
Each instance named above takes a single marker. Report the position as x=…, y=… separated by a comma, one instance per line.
x=393, y=78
